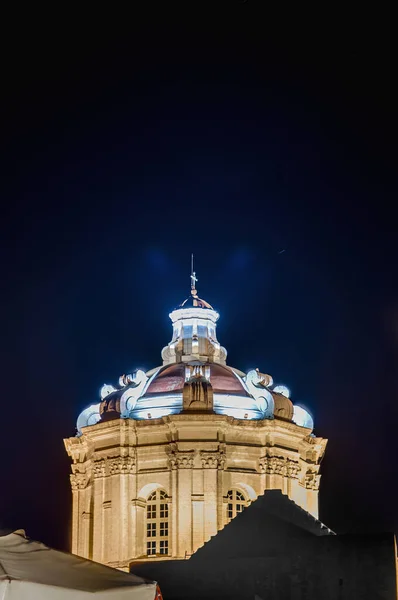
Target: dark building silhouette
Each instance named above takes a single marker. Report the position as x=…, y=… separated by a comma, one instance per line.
x=275, y=550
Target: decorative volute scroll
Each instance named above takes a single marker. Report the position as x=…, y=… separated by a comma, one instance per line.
x=257, y=384
x=135, y=385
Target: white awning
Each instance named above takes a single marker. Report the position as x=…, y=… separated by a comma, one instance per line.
x=31, y=571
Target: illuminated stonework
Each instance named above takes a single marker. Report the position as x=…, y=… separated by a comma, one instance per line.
x=166, y=459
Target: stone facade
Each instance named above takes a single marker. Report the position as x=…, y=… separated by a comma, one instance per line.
x=195, y=460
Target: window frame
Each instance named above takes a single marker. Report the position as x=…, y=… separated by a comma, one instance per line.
x=237, y=501
x=157, y=527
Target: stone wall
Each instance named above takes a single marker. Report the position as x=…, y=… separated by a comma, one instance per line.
x=196, y=459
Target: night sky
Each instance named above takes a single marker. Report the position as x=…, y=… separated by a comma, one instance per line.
x=127, y=148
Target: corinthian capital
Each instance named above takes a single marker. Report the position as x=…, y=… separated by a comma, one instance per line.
x=120, y=465
x=99, y=468
x=180, y=459
x=212, y=460
x=311, y=480
x=78, y=481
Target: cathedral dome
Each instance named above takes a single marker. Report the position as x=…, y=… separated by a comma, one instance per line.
x=170, y=455
x=194, y=376
x=167, y=386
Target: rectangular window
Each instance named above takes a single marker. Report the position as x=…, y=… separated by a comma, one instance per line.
x=164, y=511
x=151, y=530
x=164, y=547
x=151, y=511
x=230, y=511
x=164, y=529
x=150, y=548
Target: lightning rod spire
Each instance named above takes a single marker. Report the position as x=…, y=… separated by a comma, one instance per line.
x=193, y=278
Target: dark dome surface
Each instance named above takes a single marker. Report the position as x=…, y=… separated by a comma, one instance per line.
x=110, y=406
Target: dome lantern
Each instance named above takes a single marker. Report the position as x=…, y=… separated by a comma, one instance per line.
x=194, y=331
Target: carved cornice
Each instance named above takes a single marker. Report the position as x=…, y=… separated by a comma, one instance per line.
x=79, y=449
x=312, y=449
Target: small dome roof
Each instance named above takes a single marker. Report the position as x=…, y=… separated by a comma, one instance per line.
x=171, y=379
x=283, y=406
x=195, y=302
x=110, y=406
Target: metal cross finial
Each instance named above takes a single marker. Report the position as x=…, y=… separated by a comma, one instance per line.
x=194, y=279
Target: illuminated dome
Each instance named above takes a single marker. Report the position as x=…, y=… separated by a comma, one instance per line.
x=172, y=379
x=167, y=457
x=195, y=377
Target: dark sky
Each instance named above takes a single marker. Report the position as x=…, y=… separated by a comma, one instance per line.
x=127, y=148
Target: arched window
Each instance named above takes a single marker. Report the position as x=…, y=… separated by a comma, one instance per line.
x=157, y=523
x=236, y=503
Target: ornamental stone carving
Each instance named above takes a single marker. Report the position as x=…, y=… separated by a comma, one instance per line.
x=99, y=468
x=292, y=468
x=121, y=465
x=311, y=480
x=278, y=465
x=178, y=459
x=79, y=481
x=273, y=465
x=212, y=460
x=262, y=464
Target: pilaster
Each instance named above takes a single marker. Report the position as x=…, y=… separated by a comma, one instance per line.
x=212, y=512
x=182, y=461
x=98, y=498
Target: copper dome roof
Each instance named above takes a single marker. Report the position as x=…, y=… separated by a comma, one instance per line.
x=171, y=379
x=283, y=406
